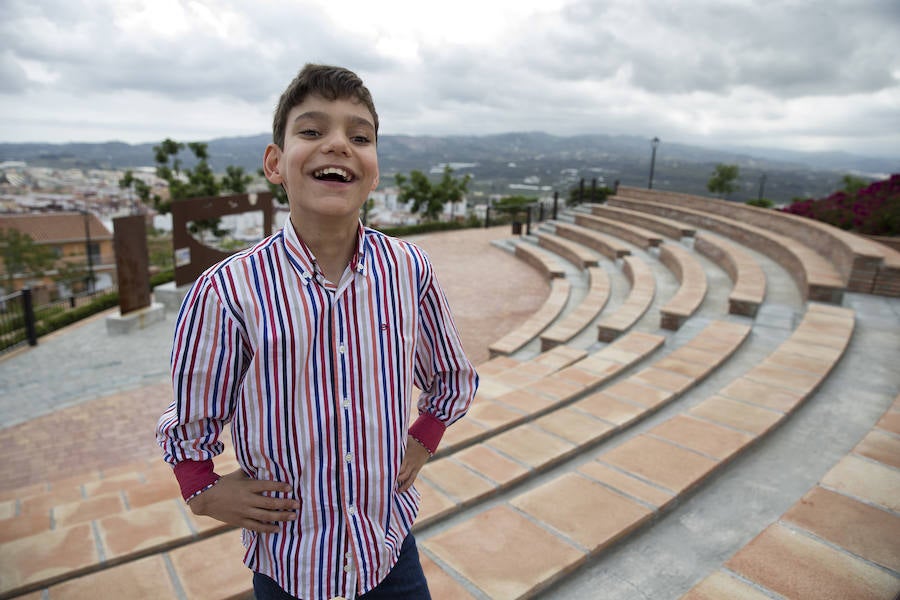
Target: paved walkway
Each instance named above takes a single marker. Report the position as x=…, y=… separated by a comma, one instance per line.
x=83, y=399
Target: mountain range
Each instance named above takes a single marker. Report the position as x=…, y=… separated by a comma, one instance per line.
x=545, y=161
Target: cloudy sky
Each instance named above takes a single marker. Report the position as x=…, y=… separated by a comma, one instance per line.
x=806, y=75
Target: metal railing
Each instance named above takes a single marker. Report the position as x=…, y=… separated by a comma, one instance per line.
x=22, y=323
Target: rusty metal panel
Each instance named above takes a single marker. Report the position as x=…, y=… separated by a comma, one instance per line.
x=192, y=257
x=132, y=262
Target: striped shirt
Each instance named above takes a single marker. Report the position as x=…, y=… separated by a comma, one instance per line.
x=316, y=380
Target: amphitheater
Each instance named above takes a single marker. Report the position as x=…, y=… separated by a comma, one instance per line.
x=680, y=398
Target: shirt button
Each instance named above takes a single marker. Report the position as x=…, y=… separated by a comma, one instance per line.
x=348, y=457
x=346, y=403
x=347, y=569
x=352, y=510
x=348, y=555
x=342, y=348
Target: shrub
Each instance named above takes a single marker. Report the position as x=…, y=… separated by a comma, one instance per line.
x=873, y=210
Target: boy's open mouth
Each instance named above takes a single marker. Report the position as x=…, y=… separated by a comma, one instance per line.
x=333, y=174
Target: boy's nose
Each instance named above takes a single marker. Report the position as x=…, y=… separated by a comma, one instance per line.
x=337, y=144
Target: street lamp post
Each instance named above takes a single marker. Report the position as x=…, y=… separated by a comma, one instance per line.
x=653, y=143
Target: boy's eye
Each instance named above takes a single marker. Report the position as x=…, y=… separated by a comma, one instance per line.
x=309, y=132
x=361, y=139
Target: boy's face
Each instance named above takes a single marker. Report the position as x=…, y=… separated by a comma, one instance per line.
x=329, y=163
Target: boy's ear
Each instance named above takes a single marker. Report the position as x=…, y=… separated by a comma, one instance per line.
x=271, y=160
x=375, y=182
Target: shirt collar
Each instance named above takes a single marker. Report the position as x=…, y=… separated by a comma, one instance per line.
x=304, y=261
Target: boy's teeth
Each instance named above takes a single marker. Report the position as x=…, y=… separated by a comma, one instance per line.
x=333, y=171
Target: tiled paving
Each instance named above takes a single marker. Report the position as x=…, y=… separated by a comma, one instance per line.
x=579, y=516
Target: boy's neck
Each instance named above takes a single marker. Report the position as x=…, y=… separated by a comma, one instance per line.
x=333, y=243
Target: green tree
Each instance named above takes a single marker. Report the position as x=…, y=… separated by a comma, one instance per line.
x=597, y=195
x=760, y=202
x=138, y=186
x=429, y=199
x=723, y=179
x=199, y=182
x=852, y=184
x=235, y=180
x=74, y=275
x=21, y=255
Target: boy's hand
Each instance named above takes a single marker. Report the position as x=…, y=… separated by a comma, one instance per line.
x=238, y=500
x=415, y=458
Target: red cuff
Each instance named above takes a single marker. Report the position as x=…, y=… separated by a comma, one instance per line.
x=428, y=431
x=193, y=476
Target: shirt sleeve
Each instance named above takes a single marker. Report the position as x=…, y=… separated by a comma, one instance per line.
x=443, y=372
x=207, y=365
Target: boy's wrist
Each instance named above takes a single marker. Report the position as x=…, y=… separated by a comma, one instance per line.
x=428, y=431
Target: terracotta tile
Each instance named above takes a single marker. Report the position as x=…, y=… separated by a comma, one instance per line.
x=153, y=492
x=638, y=343
x=702, y=436
x=737, y=414
x=513, y=556
x=633, y=391
x=660, y=462
x=559, y=357
x=440, y=583
x=144, y=578
x=583, y=510
x=492, y=465
x=883, y=447
x=866, y=480
x=720, y=586
x=497, y=365
x=890, y=422
x=87, y=510
x=37, y=489
x=490, y=388
x=627, y=484
x=7, y=510
x=456, y=480
x=112, y=485
x=811, y=350
x=682, y=367
x=796, y=566
x=608, y=408
x=770, y=372
x=556, y=387
x=216, y=563
x=696, y=355
x=159, y=524
x=45, y=502
x=24, y=525
x=803, y=363
x=526, y=401
x=46, y=555
x=583, y=377
x=531, y=446
x=806, y=335
x=600, y=366
x=666, y=380
x=864, y=530
x=461, y=432
x=516, y=378
x=762, y=394
x=575, y=426
x=433, y=504
x=492, y=415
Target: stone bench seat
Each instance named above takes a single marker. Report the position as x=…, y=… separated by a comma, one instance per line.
x=816, y=278
x=667, y=227
x=609, y=246
x=627, y=486
x=748, y=278
x=639, y=236
x=848, y=526
x=536, y=323
x=582, y=315
x=864, y=265
x=575, y=253
x=691, y=291
x=547, y=263
x=639, y=299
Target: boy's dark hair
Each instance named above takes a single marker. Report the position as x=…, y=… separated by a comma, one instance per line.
x=332, y=83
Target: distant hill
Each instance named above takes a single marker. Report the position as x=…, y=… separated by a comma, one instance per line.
x=496, y=161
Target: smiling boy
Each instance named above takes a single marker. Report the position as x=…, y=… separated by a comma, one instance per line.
x=309, y=345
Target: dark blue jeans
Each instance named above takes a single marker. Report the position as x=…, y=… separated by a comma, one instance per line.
x=406, y=581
